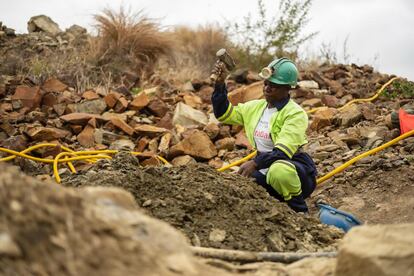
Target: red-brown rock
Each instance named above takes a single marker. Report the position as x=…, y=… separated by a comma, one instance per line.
x=47, y=133
x=112, y=98
x=122, y=125
x=121, y=105
x=139, y=102
x=197, y=145
x=86, y=137
x=90, y=95
x=158, y=107
x=29, y=97
x=54, y=85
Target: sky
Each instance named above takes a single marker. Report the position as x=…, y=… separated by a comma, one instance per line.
x=375, y=32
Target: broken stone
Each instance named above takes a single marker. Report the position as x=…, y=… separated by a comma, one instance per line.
x=149, y=129
x=122, y=144
x=122, y=125
x=80, y=118
x=217, y=235
x=187, y=116
x=121, y=105
x=188, y=86
x=54, y=85
x=350, y=115
x=192, y=100
x=139, y=102
x=227, y=143
x=205, y=94
x=247, y=93
x=315, y=102
x=197, y=145
x=42, y=23
x=308, y=84
x=152, y=161
x=323, y=118
x=216, y=163
x=142, y=144
x=106, y=137
x=330, y=101
x=377, y=250
x=29, y=97
x=8, y=248
x=17, y=143
x=92, y=107
x=112, y=98
x=158, y=107
x=90, y=95
x=86, y=138
x=47, y=133
x=183, y=160
x=212, y=130
x=242, y=141
x=165, y=141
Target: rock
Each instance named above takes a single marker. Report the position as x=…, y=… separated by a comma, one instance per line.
x=329, y=148
x=54, y=85
x=308, y=84
x=212, y=130
x=86, y=138
x=350, y=115
x=323, y=118
x=149, y=129
x=227, y=143
x=205, y=94
x=122, y=144
x=158, y=107
x=216, y=163
x=330, y=101
x=183, y=160
x=198, y=145
x=17, y=143
x=92, y=107
x=106, y=137
x=217, y=235
x=139, y=102
x=165, y=141
x=166, y=122
x=90, y=95
x=315, y=102
x=8, y=248
x=379, y=250
x=242, y=141
x=47, y=133
x=112, y=98
x=43, y=23
x=152, y=161
x=121, y=105
x=187, y=116
x=79, y=118
x=25, y=96
x=122, y=125
x=192, y=100
x=188, y=86
x=247, y=93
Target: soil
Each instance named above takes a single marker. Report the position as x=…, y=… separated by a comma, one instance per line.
x=213, y=209
x=46, y=229
x=373, y=196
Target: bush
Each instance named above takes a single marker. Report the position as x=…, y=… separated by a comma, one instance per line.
x=128, y=44
x=276, y=35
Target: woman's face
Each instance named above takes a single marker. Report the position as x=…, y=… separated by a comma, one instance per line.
x=274, y=92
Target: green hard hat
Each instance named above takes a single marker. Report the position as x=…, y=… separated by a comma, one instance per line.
x=281, y=71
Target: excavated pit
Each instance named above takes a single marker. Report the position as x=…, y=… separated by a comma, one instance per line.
x=212, y=209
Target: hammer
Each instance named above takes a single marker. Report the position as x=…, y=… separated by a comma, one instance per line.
x=223, y=57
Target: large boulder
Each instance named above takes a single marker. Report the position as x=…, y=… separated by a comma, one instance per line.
x=379, y=250
x=43, y=23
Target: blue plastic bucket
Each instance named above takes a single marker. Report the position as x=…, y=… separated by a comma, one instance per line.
x=331, y=216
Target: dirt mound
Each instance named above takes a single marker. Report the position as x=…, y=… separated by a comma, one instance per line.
x=46, y=229
x=213, y=209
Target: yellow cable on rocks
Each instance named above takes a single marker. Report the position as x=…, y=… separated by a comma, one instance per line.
x=251, y=155
x=370, y=99
x=365, y=154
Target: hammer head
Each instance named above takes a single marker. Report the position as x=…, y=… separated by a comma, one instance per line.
x=225, y=57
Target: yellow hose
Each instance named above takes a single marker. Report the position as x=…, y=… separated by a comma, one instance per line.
x=365, y=154
x=358, y=100
x=244, y=159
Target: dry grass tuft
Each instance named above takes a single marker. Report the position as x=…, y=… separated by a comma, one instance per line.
x=195, y=50
x=128, y=43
